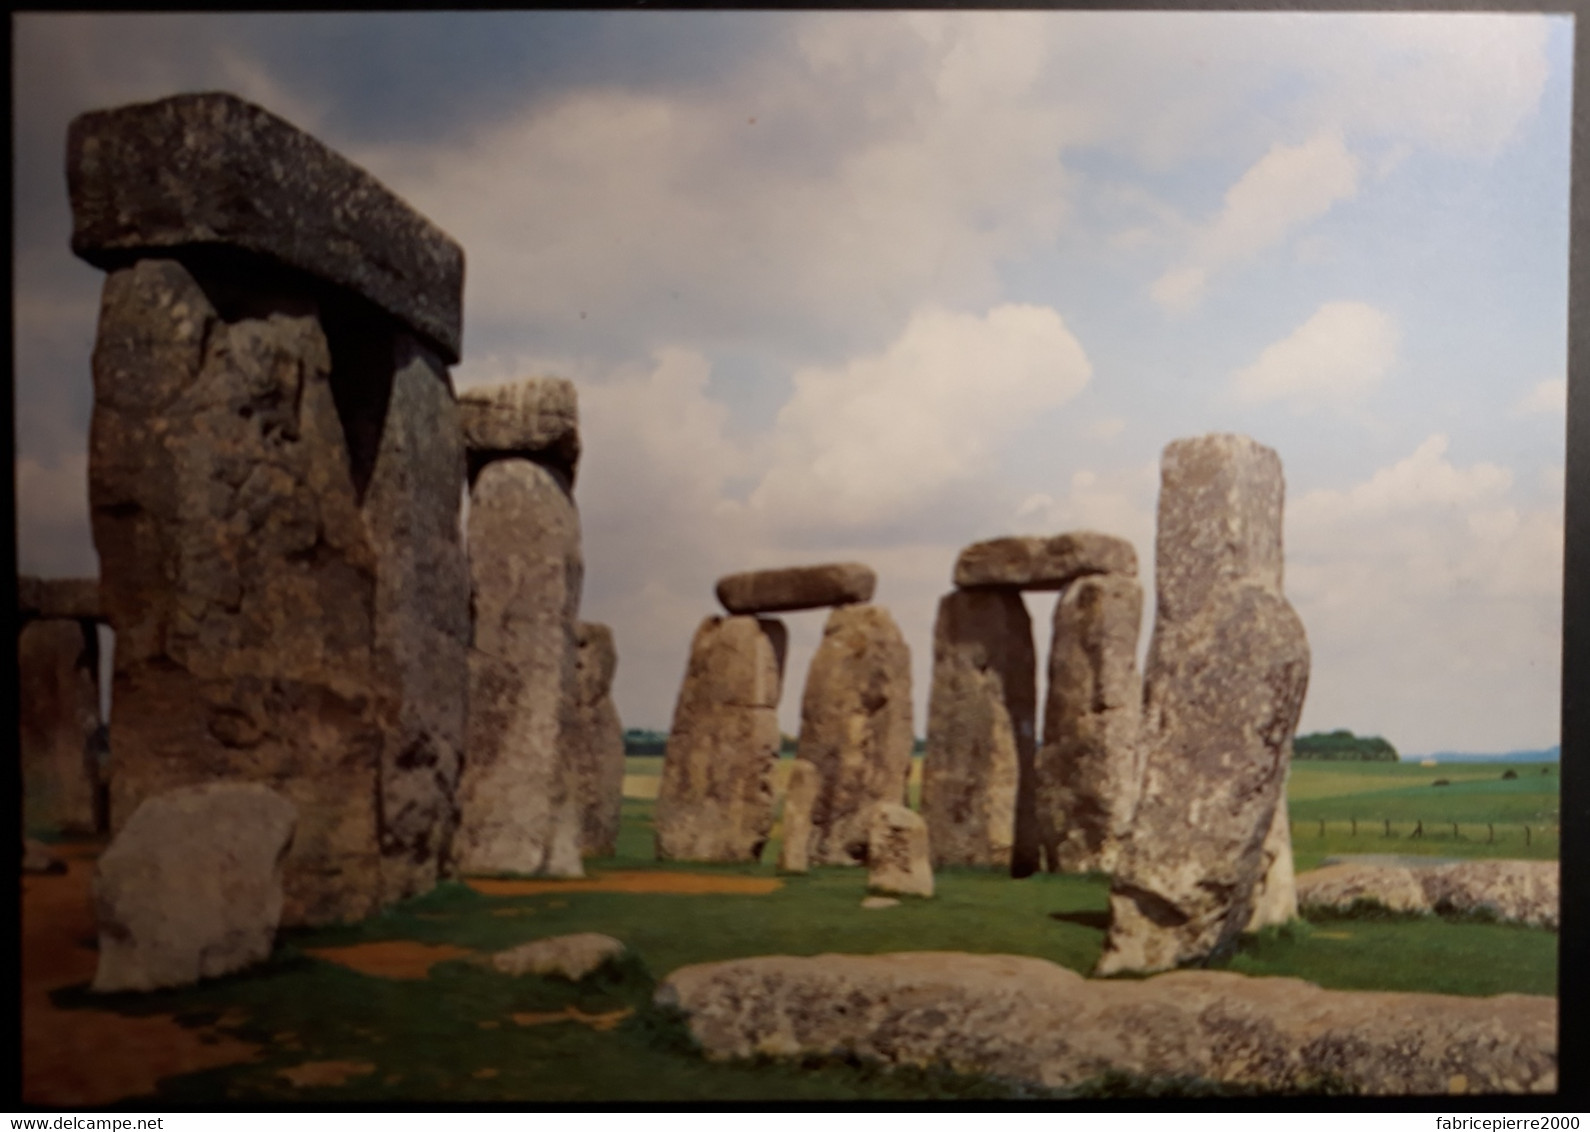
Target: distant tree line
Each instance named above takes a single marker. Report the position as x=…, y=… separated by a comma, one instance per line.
x=1343, y=746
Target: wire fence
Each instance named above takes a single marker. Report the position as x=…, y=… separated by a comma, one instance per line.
x=1438, y=829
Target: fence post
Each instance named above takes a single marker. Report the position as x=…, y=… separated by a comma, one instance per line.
x=1418, y=829
x=1492, y=837
x=1388, y=827
x=1456, y=836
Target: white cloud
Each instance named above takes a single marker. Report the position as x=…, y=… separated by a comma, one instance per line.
x=1547, y=397
x=1285, y=189
x=52, y=516
x=879, y=438
x=1343, y=349
x=1429, y=594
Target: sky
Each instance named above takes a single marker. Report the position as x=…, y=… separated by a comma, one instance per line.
x=871, y=286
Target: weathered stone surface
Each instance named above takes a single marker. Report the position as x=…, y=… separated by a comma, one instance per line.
x=1523, y=892
x=57, y=716
x=1090, y=765
x=274, y=485
x=797, y=587
x=211, y=169
x=1227, y=670
x=596, y=741
x=715, y=801
x=898, y=862
x=537, y=418
x=519, y=796
x=71, y=599
x=38, y=858
x=191, y=888
x=1338, y=887
x=569, y=956
x=800, y=798
x=1033, y=1021
x=1275, y=897
x=1043, y=563
x=1219, y=521
x=872, y=903
x=856, y=727
x=980, y=726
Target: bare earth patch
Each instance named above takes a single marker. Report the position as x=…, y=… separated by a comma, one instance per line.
x=90, y=1058
x=312, y=1073
x=685, y=884
x=600, y=1022
x=390, y=959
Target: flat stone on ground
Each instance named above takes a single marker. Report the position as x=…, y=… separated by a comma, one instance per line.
x=797, y=587
x=570, y=956
x=1043, y=562
x=1035, y=1022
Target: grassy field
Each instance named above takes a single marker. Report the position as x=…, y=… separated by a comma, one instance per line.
x=468, y=1034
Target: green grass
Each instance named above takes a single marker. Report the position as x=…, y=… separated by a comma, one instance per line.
x=428, y=1039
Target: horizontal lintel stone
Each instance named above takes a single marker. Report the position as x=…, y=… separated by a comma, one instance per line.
x=537, y=418
x=69, y=599
x=212, y=169
x=797, y=587
x=1043, y=563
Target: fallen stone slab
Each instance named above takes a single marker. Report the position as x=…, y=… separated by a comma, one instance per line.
x=192, y=886
x=1043, y=563
x=570, y=956
x=797, y=587
x=1032, y=1021
x=69, y=599
x=1523, y=892
x=212, y=169
x=537, y=418
x=872, y=903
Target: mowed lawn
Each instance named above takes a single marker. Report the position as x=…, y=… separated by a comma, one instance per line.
x=327, y=1033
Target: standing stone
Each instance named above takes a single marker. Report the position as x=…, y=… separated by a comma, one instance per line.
x=1275, y=898
x=597, y=743
x=715, y=801
x=856, y=727
x=898, y=861
x=800, y=798
x=191, y=888
x=519, y=797
x=980, y=726
x=1090, y=763
x=1227, y=670
x=57, y=717
x=274, y=477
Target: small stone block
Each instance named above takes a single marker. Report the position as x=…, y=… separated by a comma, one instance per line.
x=797, y=587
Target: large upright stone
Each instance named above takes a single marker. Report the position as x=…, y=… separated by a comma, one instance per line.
x=597, y=742
x=856, y=727
x=715, y=801
x=1227, y=670
x=1043, y=563
x=57, y=715
x=537, y=418
x=274, y=477
x=980, y=726
x=191, y=888
x=796, y=587
x=898, y=859
x=1090, y=763
x=519, y=797
x=800, y=799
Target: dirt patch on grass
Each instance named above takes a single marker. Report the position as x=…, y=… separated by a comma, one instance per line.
x=312, y=1073
x=601, y=1022
x=390, y=959
x=90, y=1058
x=684, y=884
